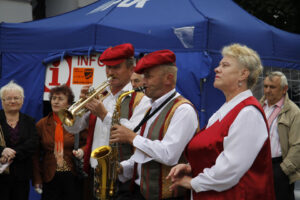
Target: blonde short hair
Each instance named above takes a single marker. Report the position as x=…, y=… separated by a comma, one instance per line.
x=11, y=86
x=248, y=58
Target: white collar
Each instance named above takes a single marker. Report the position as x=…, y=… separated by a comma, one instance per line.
x=161, y=99
x=126, y=88
x=227, y=106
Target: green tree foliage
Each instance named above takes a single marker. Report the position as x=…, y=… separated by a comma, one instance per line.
x=283, y=14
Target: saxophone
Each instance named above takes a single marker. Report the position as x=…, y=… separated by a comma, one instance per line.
x=107, y=157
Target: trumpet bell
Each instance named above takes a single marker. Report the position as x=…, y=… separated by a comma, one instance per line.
x=66, y=117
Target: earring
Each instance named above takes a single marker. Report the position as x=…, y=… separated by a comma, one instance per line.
x=239, y=84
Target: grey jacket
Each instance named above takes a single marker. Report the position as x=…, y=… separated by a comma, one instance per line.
x=289, y=138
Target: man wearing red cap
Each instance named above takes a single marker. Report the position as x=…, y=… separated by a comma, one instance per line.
x=119, y=63
x=163, y=133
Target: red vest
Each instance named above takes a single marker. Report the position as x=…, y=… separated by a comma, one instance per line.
x=205, y=147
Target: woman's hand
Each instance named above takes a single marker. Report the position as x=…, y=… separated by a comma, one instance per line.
x=3, y=160
x=38, y=188
x=180, y=176
x=184, y=181
x=9, y=154
x=78, y=153
x=179, y=171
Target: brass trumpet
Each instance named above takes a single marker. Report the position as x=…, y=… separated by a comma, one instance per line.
x=67, y=116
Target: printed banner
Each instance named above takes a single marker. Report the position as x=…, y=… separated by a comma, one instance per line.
x=75, y=72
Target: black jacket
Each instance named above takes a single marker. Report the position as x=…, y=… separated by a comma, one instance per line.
x=21, y=167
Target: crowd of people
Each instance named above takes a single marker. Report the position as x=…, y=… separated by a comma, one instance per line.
x=248, y=150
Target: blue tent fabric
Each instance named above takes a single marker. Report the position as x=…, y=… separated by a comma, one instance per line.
x=31, y=77
x=191, y=73
x=195, y=30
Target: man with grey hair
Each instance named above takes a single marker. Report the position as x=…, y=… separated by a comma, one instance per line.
x=284, y=123
x=119, y=62
x=136, y=80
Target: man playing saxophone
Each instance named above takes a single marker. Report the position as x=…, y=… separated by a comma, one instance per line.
x=164, y=132
x=119, y=63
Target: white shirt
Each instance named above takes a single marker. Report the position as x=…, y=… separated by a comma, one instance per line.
x=102, y=128
x=245, y=138
x=181, y=129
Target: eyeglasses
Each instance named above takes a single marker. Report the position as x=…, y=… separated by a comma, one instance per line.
x=12, y=98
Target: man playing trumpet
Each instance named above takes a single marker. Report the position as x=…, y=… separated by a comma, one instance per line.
x=119, y=63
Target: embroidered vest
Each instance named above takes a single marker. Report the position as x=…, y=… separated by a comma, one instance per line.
x=127, y=108
x=153, y=175
x=256, y=183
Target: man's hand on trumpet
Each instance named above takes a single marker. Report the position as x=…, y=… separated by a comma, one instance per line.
x=84, y=91
x=95, y=105
x=97, y=108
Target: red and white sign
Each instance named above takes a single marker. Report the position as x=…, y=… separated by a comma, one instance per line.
x=75, y=72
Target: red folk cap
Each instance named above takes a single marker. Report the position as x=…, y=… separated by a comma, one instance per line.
x=117, y=54
x=154, y=59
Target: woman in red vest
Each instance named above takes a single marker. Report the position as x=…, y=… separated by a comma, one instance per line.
x=230, y=158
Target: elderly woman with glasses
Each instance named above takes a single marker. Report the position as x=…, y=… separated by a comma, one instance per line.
x=17, y=145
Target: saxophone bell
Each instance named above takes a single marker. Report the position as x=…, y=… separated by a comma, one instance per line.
x=100, y=152
x=106, y=172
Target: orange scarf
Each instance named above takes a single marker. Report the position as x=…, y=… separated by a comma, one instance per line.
x=59, y=141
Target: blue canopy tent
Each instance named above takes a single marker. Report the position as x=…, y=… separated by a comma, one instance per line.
x=195, y=30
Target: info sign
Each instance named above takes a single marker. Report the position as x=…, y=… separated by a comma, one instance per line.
x=75, y=72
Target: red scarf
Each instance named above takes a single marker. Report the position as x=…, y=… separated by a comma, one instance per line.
x=59, y=141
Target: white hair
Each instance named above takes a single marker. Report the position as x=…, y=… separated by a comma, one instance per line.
x=283, y=79
x=11, y=86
